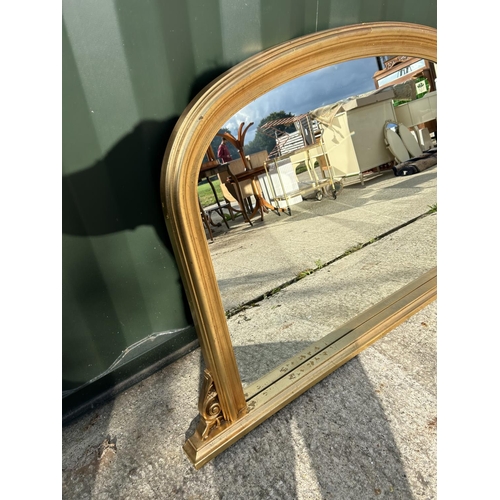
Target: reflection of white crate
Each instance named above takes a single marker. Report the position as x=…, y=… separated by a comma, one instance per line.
x=425, y=139
x=283, y=184
x=354, y=139
x=419, y=111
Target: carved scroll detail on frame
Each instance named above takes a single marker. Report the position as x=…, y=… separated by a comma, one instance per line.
x=226, y=415
x=209, y=406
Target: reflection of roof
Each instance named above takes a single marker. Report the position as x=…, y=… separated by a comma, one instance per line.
x=283, y=121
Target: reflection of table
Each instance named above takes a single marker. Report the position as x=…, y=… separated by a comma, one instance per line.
x=207, y=171
x=261, y=204
x=211, y=169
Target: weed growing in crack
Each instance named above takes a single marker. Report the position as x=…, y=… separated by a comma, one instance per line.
x=304, y=273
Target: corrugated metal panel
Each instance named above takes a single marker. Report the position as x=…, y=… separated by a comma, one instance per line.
x=129, y=69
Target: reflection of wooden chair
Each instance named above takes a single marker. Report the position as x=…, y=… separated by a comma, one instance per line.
x=244, y=189
x=241, y=192
x=257, y=159
x=208, y=169
x=228, y=197
x=206, y=222
x=244, y=180
x=219, y=208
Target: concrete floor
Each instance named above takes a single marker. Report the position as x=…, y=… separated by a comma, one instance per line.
x=366, y=431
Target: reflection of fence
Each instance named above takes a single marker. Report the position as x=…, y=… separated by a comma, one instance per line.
x=295, y=141
x=307, y=133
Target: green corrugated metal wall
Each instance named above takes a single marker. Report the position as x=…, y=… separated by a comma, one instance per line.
x=130, y=67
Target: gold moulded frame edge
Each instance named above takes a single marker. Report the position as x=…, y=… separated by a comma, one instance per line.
x=225, y=413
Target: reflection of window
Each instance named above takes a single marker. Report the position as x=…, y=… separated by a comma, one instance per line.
x=402, y=72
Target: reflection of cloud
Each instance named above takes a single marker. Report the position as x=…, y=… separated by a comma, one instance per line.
x=308, y=92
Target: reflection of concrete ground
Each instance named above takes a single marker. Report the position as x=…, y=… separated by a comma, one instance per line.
x=250, y=261
x=323, y=301
x=366, y=431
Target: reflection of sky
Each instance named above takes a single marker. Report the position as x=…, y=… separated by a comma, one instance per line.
x=322, y=87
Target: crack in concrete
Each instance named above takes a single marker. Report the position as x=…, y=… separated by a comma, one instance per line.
x=307, y=272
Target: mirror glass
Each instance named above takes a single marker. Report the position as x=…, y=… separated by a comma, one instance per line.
x=314, y=209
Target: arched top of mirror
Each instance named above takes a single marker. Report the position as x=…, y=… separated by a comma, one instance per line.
x=317, y=93
x=245, y=82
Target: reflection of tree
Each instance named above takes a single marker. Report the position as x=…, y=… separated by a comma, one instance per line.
x=262, y=141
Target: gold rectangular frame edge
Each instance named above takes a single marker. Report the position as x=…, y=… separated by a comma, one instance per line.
x=393, y=311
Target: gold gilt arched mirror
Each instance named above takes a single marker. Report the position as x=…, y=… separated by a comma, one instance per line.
x=228, y=410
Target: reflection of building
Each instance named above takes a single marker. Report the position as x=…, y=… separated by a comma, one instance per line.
x=394, y=70
x=398, y=69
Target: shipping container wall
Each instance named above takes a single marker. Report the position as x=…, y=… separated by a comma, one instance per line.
x=130, y=68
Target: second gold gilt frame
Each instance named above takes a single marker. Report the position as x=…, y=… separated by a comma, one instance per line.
x=227, y=411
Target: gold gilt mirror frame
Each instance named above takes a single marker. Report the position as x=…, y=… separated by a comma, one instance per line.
x=227, y=410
